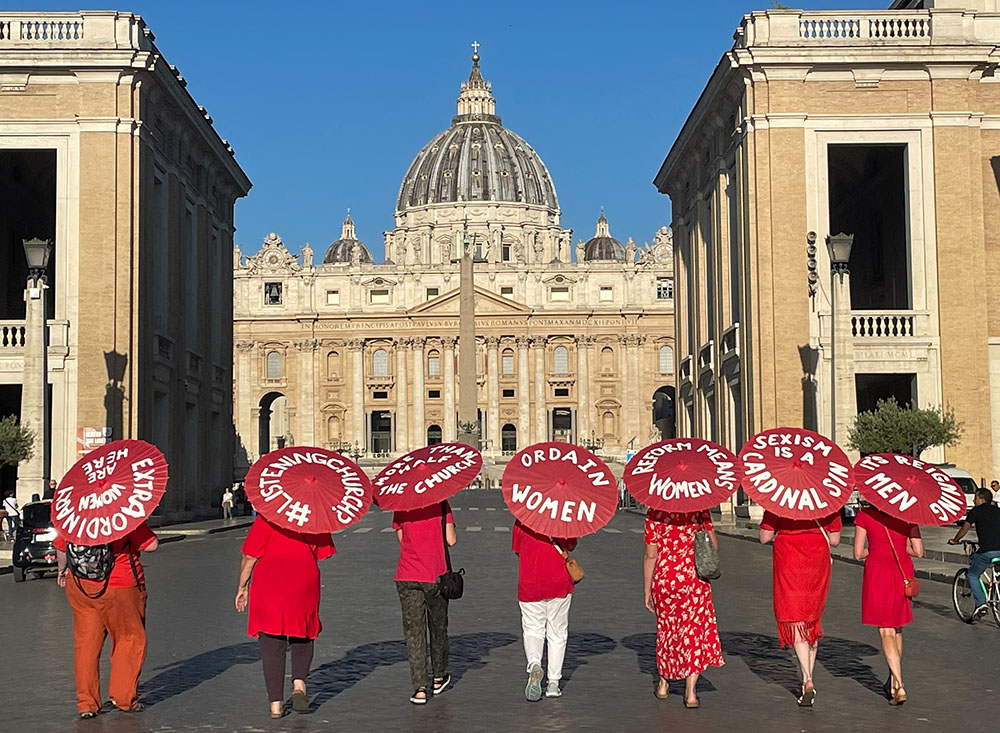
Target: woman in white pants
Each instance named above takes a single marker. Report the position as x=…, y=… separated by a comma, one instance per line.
x=544, y=593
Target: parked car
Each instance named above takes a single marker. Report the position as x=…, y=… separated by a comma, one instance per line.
x=964, y=479
x=854, y=504
x=33, y=549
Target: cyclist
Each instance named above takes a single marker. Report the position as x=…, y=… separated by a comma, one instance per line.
x=986, y=516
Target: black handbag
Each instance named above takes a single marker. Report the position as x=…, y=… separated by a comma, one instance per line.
x=451, y=584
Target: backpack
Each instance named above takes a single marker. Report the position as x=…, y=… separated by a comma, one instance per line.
x=90, y=562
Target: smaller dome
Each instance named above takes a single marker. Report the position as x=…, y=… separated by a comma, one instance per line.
x=603, y=247
x=341, y=252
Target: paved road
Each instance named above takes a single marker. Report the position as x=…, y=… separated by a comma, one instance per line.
x=203, y=673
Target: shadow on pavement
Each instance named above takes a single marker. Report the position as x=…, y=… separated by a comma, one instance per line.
x=644, y=646
x=466, y=652
x=179, y=677
x=937, y=609
x=581, y=646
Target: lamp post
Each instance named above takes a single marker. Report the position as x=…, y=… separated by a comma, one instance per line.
x=839, y=248
x=34, y=395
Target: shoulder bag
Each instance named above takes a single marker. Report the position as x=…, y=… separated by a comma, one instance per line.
x=572, y=566
x=706, y=557
x=451, y=584
x=911, y=585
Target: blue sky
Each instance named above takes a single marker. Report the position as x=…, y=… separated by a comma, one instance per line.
x=327, y=103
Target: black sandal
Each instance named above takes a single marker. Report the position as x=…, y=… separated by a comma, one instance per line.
x=284, y=711
x=419, y=700
x=88, y=714
x=300, y=702
x=440, y=683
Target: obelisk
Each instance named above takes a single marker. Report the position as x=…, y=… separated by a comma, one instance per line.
x=468, y=426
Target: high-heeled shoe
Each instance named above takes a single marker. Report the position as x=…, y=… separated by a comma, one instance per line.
x=808, y=696
x=899, y=698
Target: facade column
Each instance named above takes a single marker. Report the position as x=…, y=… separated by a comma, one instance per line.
x=493, y=393
x=246, y=425
x=356, y=347
x=630, y=421
x=34, y=379
x=402, y=421
x=583, y=406
x=307, y=374
x=448, y=355
x=843, y=360
x=523, y=394
x=418, y=433
x=541, y=417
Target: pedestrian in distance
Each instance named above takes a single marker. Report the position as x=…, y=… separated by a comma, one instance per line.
x=422, y=534
x=50, y=490
x=114, y=606
x=801, y=577
x=544, y=594
x=994, y=486
x=985, y=517
x=887, y=544
x=687, y=631
x=227, y=504
x=13, y=513
x=279, y=583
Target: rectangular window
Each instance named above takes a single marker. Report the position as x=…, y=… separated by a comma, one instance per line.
x=380, y=395
x=433, y=394
x=378, y=297
x=434, y=366
x=507, y=364
x=507, y=291
x=607, y=294
x=505, y=252
x=272, y=293
x=562, y=391
x=508, y=393
x=559, y=294
x=664, y=288
x=432, y=293
x=333, y=297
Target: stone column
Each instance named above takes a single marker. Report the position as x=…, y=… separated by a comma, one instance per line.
x=541, y=388
x=523, y=394
x=631, y=409
x=402, y=421
x=307, y=374
x=583, y=406
x=418, y=434
x=31, y=472
x=846, y=404
x=246, y=425
x=493, y=393
x=356, y=347
x=448, y=356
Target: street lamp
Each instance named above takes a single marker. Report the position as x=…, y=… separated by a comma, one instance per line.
x=37, y=253
x=839, y=247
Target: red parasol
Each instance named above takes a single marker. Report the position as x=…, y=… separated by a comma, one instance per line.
x=682, y=475
x=426, y=476
x=796, y=473
x=909, y=489
x=308, y=490
x=109, y=492
x=560, y=490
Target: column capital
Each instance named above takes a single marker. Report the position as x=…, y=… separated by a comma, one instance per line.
x=538, y=341
x=523, y=342
x=630, y=339
x=306, y=345
x=449, y=342
x=492, y=342
x=586, y=341
x=245, y=346
x=417, y=342
x=355, y=344
x=403, y=343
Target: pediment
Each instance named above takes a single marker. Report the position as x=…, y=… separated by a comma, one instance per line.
x=487, y=302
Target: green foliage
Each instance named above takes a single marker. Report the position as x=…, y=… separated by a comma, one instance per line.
x=779, y=6
x=16, y=441
x=890, y=428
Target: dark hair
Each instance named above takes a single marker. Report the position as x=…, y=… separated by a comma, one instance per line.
x=985, y=494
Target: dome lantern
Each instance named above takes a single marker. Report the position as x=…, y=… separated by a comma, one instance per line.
x=341, y=252
x=603, y=247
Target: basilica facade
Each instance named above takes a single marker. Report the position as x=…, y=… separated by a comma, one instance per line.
x=572, y=343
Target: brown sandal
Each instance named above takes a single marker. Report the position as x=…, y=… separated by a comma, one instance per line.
x=666, y=690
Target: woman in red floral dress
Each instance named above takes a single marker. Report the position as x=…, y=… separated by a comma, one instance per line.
x=687, y=634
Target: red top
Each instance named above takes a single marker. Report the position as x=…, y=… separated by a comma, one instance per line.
x=775, y=523
x=284, y=587
x=542, y=570
x=130, y=545
x=421, y=550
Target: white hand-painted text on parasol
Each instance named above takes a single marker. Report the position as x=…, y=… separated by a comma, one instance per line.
x=533, y=500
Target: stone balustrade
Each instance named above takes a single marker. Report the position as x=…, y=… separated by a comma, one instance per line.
x=11, y=337
x=93, y=29
x=889, y=324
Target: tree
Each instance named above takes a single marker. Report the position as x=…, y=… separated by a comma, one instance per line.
x=16, y=441
x=890, y=428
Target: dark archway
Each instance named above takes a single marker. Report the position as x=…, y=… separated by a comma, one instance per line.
x=665, y=412
x=264, y=422
x=380, y=432
x=508, y=439
x=434, y=435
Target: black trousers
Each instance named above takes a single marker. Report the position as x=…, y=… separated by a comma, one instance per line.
x=424, y=610
x=272, y=659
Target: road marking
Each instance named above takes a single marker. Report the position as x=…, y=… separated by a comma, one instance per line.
x=362, y=530
x=501, y=529
x=473, y=509
x=473, y=529
x=456, y=509
x=388, y=529
x=339, y=531
x=612, y=531
x=491, y=508
x=637, y=531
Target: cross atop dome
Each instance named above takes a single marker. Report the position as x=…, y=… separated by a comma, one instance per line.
x=476, y=97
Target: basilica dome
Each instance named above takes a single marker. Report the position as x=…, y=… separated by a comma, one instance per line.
x=341, y=252
x=476, y=159
x=602, y=246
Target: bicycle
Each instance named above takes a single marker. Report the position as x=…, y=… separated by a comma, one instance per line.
x=961, y=591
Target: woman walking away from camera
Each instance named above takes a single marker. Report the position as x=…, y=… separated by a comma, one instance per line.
x=801, y=583
x=886, y=544
x=544, y=593
x=687, y=633
x=279, y=583
x=422, y=534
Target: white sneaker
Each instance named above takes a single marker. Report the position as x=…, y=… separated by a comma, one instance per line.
x=553, y=690
x=533, y=690
x=981, y=611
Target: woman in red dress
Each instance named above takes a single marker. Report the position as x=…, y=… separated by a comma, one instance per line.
x=886, y=544
x=283, y=599
x=801, y=583
x=687, y=633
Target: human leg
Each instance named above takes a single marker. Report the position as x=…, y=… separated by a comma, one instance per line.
x=272, y=660
x=977, y=566
x=302, y=657
x=88, y=640
x=125, y=618
x=414, y=612
x=556, y=634
x=890, y=649
x=437, y=626
x=533, y=631
x=690, y=694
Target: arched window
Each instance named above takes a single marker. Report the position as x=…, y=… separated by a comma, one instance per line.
x=508, y=438
x=433, y=435
x=380, y=363
x=560, y=360
x=507, y=362
x=666, y=360
x=433, y=363
x=607, y=360
x=608, y=424
x=332, y=364
x=333, y=429
x=274, y=365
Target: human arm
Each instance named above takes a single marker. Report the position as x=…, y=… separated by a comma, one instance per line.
x=768, y=528
x=247, y=564
x=860, y=543
x=450, y=535
x=962, y=531
x=61, y=565
x=766, y=535
x=399, y=535
x=834, y=538
x=915, y=543
x=710, y=528
x=648, y=566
